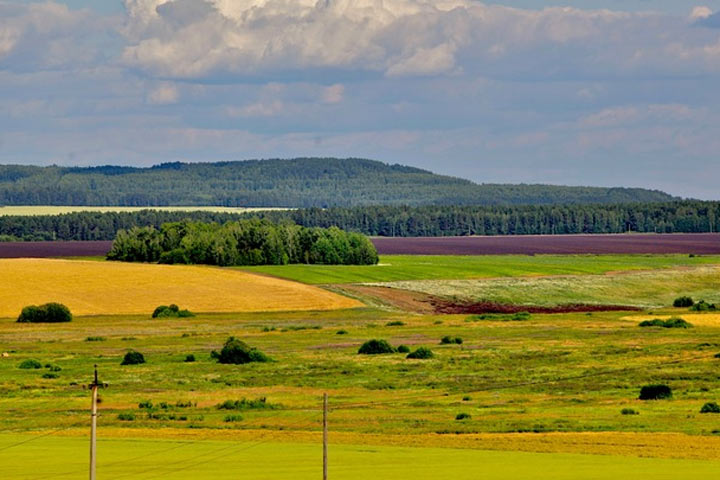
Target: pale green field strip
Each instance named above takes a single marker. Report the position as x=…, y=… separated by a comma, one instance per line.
x=34, y=210
x=53, y=457
x=642, y=289
x=430, y=267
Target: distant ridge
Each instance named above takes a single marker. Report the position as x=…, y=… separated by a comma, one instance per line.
x=299, y=182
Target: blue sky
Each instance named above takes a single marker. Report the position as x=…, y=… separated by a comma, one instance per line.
x=586, y=92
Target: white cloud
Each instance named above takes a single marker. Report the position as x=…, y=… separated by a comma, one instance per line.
x=163, y=94
x=333, y=94
x=700, y=12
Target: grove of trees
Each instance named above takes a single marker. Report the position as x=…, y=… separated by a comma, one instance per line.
x=243, y=242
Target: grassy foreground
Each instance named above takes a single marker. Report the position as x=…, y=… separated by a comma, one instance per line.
x=433, y=267
x=144, y=459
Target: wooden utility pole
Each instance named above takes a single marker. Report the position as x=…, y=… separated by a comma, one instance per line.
x=93, y=422
x=325, y=436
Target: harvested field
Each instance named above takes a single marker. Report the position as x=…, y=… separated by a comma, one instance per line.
x=698, y=243
x=90, y=288
x=53, y=249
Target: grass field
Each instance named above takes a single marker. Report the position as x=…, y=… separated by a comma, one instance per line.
x=32, y=210
x=89, y=288
x=652, y=289
x=434, y=267
x=144, y=459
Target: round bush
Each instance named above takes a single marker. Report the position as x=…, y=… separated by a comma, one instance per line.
x=171, y=311
x=655, y=392
x=463, y=416
x=237, y=352
x=375, y=347
x=403, y=349
x=629, y=411
x=422, y=353
x=30, y=364
x=189, y=358
x=47, y=313
x=683, y=302
x=710, y=407
x=133, y=358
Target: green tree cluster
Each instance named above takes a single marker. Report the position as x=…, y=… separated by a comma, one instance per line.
x=243, y=242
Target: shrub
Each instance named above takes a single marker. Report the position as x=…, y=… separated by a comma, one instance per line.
x=396, y=323
x=246, y=404
x=341, y=332
x=403, y=349
x=53, y=368
x=147, y=404
x=95, y=339
x=422, y=353
x=466, y=398
x=448, y=340
x=683, y=302
x=629, y=411
x=670, y=323
x=126, y=417
x=710, y=407
x=50, y=375
x=233, y=418
x=165, y=311
x=703, y=306
x=189, y=358
x=47, y=313
x=29, y=364
x=133, y=357
x=655, y=392
x=237, y=352
x=375, y=347
x=463, y=416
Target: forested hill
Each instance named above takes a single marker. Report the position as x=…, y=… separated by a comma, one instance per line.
x=300, y=182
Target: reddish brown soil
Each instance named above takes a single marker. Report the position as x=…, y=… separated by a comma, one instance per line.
x=697, y=243
x=450, y=307
x=53, y=249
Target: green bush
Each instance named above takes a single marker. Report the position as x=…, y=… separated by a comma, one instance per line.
x=670, y=323
x=147, y=404
x=396, y=323
x=422, y=353
x=95, y=339
x=53, y=368
x=189, y=358
x=126, y=417
x=233, y=418
x=710, y=407
x=703, y=306
x=247, y=404
x=403, y=349
x=376, y=347
x=171, y=311
x=463, y=416
x=683, y=302
x=237, y=352
x=47, y=313
x=341, y=332
x=30, y=364
x=629, y=411
x=133, y=357
x=448, y=340
x=50, y=375
x=655, y=392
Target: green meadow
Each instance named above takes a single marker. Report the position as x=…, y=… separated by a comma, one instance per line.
x=435, y=267
x=145, y=459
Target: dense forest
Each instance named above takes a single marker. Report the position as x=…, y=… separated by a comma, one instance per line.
x=671, y=217
x=301, y=182
x=244, y=242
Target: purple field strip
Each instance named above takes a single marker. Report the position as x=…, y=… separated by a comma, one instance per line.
x=53, y=249
x=697, y=243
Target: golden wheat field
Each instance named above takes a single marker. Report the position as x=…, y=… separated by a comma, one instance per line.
x=699, y=319
x=90, y=288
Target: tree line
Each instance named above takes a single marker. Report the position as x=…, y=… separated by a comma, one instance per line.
x=671, y=217
x=300, y=183
x=242, y=242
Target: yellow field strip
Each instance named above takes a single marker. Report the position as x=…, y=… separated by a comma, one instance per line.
x=92, y=288
x=653, y=445
x=699, y=319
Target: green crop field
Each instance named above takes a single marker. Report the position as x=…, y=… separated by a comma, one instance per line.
x=430, y=267
x=144, y=459
x=32, y=210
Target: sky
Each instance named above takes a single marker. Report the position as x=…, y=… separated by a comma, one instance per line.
x=590, y=92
